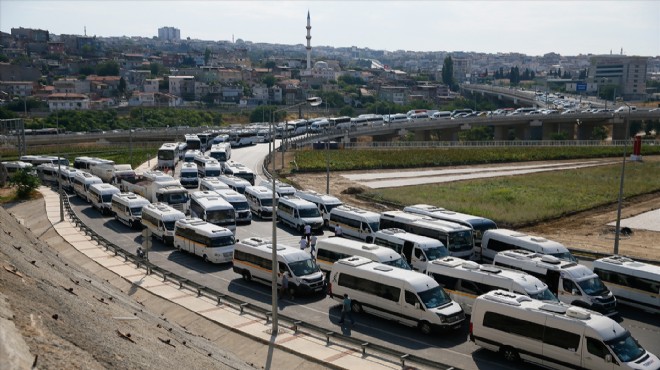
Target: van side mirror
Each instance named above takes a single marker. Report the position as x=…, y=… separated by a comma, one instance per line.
x=417, y=305
x=575, y=292
x=608, y=358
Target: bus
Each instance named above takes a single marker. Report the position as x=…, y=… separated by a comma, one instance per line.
x=204, y=141
x=193, y=142
x=479, y=224
x=334, y=121
x=168, y=155
x=457, y=238
x=239, y=170
x=47, y=173
x=207, y=166
x=85, y=163
x=240, y=138
x=36, y=160
x=211, y=242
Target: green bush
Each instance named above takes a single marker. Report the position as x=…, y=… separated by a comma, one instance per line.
x=25, y=183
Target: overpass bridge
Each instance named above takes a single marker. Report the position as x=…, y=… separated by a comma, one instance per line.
x=523, y=97
x=578, y=126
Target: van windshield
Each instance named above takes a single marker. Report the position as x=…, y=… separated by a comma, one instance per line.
x=460, y=241
x=221, y=217
x=566, y=256
x=136, y=211
x=434, y=297
x=222, y=241
x=626, y=347
x=400, y=263
x=266, y=202
x=304, y=267
x=436, y=252
x=593, y=286
x=169, y=225
x=309, y=212
x=543, y=295
x=374, y=226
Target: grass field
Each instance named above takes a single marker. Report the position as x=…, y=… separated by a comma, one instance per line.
x=518, y=200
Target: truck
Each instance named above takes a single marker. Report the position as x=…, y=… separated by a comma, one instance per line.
x=157, y=186
x=112, y=173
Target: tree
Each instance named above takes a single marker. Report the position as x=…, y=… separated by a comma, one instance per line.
x=270, y=65
x=207, y=56
x=347, y=111
x=269, y=80
x=25, y=183
x=448, y=73
x=109, y=68
x=122, y=86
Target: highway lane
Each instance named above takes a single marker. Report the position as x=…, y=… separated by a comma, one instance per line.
x=447, y=347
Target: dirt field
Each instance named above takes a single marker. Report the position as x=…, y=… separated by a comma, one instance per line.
x=585, y=230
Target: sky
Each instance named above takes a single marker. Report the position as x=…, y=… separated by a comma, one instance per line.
x=490, y=26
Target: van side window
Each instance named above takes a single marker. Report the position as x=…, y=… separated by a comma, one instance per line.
x=561, y=338
x=447, y=282
x=499, y=246
x=596, y=347
x=411, y=299
x=419, y=254
x=513, y=325
x=569, y=286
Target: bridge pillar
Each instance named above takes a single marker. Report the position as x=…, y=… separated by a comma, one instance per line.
x=422, y=135
x=523, y=133
x=501, y=133
x=585, y=131
x=448, y=135
x=515, y=101
x=618, y=129
x=550, y=129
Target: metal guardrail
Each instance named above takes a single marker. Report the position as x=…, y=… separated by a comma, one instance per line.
x=246, y=308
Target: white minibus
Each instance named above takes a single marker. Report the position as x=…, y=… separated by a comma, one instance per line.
x=633, y=283
x=253, y=261
x=207, y=166
x=403, y=296
x=47, y=173
x=188, y=175
x=14, y=166
x=239, y=170
x=553, y=336
x=571, y=283
x=67, y=174
x=478, y=224
x=127, y=208
x=212, y=183
x=498, y=240
x=281, y=188
x=190, y=155
x=240, y=204
x=221, y=152
x=355, y=222
x=297, y=213
x=418, y=250
x=235, y=183
x=456, y=237
x=211, y=242
x=82, y=181
x=331, y=250
x=85, y=163
x=160, y=218
x=210, y=207
x=193, y=142
x=100, y=195
x=465, y=280
x=260, y=200
x=324, y=202
x=168, y=155
x=182, y=147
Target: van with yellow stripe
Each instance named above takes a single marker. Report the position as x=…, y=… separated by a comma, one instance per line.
x=466, y=280
x=355, y=222
x=211, y=242
x=253, y=260
x=634, y=283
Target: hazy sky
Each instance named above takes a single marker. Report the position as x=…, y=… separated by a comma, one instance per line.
x=530, y=27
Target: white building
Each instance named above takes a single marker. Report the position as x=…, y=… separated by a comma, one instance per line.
x=63, y=101
x=169, y=34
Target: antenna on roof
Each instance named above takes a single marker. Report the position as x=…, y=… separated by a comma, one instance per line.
x=85, y=30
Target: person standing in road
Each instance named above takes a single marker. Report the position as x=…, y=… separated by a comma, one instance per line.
x=304, y=242
x=308, y=231
x=284, y=289
x=312, y=244
x=346, y=310
x=338, y=231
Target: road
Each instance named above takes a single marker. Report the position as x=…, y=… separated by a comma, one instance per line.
x=446, y=347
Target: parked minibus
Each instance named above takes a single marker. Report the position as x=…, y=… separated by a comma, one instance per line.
x=331, y=250
x=14, y=166
x=221, y=152
x=324, y=202
x=498, y=240
x=253, y=261
x=82, y=181
x=553, y=336
x=100, y=195
x=239, y=170
x=127, y=208
x=240, y=204
x=260, y=200
x=281, y=188
x=355, y=222
x=403, y=296
x=572, y=283
x=168, y=155
x=632, y=282
x=210, y=207
x=237, y=184
x=67, y=174
x=297, y=213
x=47, y=173
x=213, y=243
x=212, y=183
x=418, y=250
x=207, y=166
x=188, y=175
x=465, y=280
x=160, y=218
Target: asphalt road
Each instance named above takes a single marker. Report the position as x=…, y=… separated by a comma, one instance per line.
x=447, y=347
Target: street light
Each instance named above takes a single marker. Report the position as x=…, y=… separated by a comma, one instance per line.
x=314, y=101
x=617, y=230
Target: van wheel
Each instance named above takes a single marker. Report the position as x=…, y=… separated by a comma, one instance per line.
x=247, y=276
x=510, y=354
x=356, y=307
x=425, y=327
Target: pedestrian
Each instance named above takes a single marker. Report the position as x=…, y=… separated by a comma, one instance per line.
x=338, y=231
x=312, y=244
x=140, y=252
x=346, y=310
x=284, y=289
x=308, y=231
x=303, y=243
